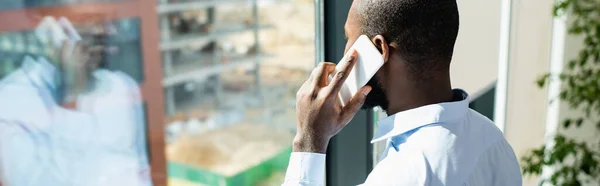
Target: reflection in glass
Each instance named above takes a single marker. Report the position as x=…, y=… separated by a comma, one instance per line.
x=122, y=47
x=231, y=71
x=19, y=4
x=65, y=120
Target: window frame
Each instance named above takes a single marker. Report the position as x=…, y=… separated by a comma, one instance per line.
x=344, y=165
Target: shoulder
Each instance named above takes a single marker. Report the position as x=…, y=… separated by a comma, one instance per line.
x=452, y=149
x=473, y=133
x=17, y=95
x=125, y=78
x=497, y=166
x=16, y=78
x=407, y=168
x=118, y=79
x=21, y=103
x=118, y=83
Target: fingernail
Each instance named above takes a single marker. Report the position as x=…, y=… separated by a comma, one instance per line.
x=351, y=58
x=366, y=91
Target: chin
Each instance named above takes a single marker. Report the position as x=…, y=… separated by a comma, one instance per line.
x=376, y=97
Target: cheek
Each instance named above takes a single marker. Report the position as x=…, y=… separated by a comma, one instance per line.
x=348, y=46
x=382, y=74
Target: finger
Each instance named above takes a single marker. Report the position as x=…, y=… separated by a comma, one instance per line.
x=75, y=51
x=328, y=68
x=300, y=93
x=82, y=51
x=338, y=80
x=67, y=49
x=310, y=78
x=317, y=73
x=354, y=105
x=317, y=70
x=313, y=80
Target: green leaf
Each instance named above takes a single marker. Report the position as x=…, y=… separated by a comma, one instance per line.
x=563, y=95
x=562, y=77
x=575, y=30
x=539, y=152
x=588, y=41
x=567, y=123
x=583, y=57
x=559, y=140
x=579, y=122
x=572, y=64
x=541, y=82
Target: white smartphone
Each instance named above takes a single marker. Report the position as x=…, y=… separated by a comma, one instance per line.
x=69, y=29
x=49, y=30
x=368, y=63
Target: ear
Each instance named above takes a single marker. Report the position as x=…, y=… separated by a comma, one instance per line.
x=383, y=46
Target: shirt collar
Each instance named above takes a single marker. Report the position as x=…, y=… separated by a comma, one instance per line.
x=408, y=120
x=40, y=71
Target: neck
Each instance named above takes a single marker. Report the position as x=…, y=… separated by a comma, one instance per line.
x=412, y=94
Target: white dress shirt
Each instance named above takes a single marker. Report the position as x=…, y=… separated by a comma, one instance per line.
x=435, y=145
x=116, y=105
x=42, y=143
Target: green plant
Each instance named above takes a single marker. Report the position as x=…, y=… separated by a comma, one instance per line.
x=575, y=162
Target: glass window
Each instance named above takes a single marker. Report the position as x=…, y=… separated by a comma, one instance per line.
x=72, y=111
x=126, y=92
x=232, y=69
x=19, y=4
x=122, y=50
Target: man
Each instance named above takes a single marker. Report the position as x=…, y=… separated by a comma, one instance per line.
x=114, y=100
x=433, y=137
x=57, y=128
x=41, y=139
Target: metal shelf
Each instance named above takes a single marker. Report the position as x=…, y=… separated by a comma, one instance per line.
x=201, y=4
x=193, y=5
x=202, y=68
x=203, y=39
x=187, y=74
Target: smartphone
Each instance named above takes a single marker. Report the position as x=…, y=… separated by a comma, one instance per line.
x=49, y=30
x=368, y=63
x=69, y=29
x=57, y=31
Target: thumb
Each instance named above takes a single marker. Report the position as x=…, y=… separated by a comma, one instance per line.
x=355, y=104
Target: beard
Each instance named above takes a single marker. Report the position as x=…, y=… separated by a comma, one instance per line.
x=377, y=96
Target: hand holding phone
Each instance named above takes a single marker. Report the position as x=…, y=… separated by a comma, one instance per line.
x=52, y=32
x=368, y=63
x=69, y=29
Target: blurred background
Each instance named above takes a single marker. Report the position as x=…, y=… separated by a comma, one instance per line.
x=202, y=92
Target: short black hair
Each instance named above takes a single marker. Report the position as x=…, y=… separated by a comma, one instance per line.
x=424, y=30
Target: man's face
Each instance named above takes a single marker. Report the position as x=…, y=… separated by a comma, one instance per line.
x=377, y=96
x=72, y=68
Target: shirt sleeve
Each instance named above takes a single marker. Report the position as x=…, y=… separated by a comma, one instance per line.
x=141, y=150
x=22, y=163
x=305, y=169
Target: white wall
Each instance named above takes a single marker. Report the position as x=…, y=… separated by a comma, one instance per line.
x=475, y=66
x=529, y=58
x=475, y=62
x=529, y=115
